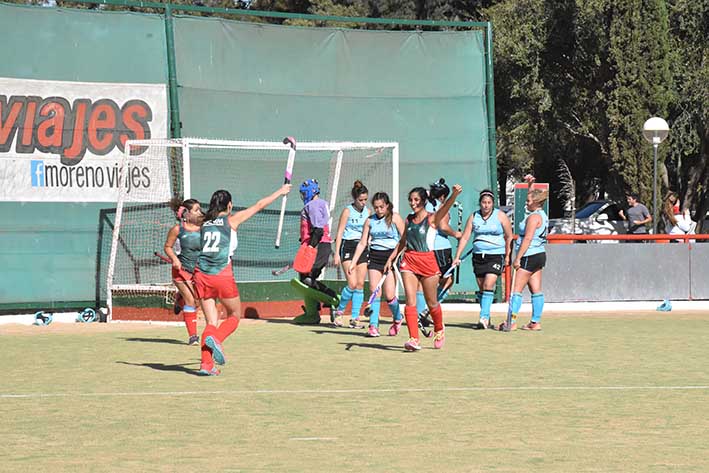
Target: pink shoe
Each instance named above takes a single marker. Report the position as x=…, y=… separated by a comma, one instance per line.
x=373, y=331
x=439, y=339
x=533, y=326
x=412, y=345
x=395, y=327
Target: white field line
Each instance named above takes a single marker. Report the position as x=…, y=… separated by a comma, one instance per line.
x=258, y=392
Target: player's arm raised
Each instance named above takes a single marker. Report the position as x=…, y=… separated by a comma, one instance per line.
x=445, y=208
x=240, y=217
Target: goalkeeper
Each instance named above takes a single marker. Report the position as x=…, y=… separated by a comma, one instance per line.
x=313, y=255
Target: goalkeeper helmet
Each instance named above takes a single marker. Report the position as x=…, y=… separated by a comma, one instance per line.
x=40, y=318
x=87, y=315
x=309, y=189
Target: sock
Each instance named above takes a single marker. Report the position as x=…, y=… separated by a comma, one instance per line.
x=412, y=320
x=207, y=360
x=420, y=302
x=227, y=327
x=437, y=316
x=395, y=310
x=516, y=302
x=374, y=315
x=345, y=297
x=485, y=304
x=357, y=300
x=189, y=315
x=537, y=306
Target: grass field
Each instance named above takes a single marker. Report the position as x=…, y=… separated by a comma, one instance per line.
x=591, y=393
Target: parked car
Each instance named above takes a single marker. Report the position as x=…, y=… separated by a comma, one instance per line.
x=599, y=217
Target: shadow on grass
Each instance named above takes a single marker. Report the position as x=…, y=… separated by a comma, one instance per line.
x=169, y=341
x=376, y=346
x=163, y=367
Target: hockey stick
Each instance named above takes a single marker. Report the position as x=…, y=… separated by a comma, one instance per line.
x=460, y=229
x=164, y=258
x=463, y=258
x=288, y=140
x=510, y=316
x=278, y=272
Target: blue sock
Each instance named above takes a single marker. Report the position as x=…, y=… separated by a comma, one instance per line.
x=485, y=304
x=516, y=302
x=537, y=306
x=374, y=315
x=420, y=302
x=345, y=298
x=357, y=299
x=395, y=310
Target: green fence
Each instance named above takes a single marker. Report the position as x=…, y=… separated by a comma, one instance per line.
x=431, y=91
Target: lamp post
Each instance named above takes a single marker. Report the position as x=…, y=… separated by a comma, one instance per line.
x=655, y=130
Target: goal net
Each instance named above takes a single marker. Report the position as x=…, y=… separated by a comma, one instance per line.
x=154, y=171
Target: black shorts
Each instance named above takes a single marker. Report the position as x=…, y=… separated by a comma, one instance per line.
x=347, y=251
x=533, y=263
x=321, y=259
x=444, y=258
x=485, y=263
x=378, y=258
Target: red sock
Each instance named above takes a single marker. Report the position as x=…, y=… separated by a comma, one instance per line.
x=227, y=327
x=437, y=316
x=412, y=320
x=207, y=360
x=190, y=319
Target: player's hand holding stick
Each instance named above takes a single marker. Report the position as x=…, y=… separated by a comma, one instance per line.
x=288, y=140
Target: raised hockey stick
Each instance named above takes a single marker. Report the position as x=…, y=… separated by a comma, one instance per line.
x=288, y=140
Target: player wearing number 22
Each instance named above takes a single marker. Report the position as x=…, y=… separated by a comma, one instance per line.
x=214, y=276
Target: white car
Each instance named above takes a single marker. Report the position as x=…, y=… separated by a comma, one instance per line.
x=599, y=217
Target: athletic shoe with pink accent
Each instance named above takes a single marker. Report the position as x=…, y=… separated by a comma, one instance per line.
x=373, y=331
x=395, y=327
x=354, y=323
x=533, y=326
x=502, y=327
x=412, y=345
x=439, y=339
x=336, y=318
x=206, y=371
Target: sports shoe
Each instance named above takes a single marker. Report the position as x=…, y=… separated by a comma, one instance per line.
x=336, y=318
x=209, y=372
x=354, y=323
x=483, y=324
x=412, y=345
x=395, y=327
x=217, y=351
x=533, y=326
x=666, y=306
x=503, y=328
x=439, y=339
x=194, y=340
x=373, y=331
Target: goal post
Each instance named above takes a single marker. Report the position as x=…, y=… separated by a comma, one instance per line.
x=154, y=171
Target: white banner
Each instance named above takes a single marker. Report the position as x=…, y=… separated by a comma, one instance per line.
x=63, y=141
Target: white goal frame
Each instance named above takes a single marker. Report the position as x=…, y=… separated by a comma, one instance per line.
x=185, y=144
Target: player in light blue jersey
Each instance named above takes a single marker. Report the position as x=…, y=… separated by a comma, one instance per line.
x=530, y=257
x=185, y=236
x=380, y=235
x=492, y=236
x=349, y=232
x=214, y=276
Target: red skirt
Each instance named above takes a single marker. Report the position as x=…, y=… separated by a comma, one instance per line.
x=181, y=275
x=216, y=286
x=421, y=263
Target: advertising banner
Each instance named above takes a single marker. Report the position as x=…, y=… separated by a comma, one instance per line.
x=64, y=141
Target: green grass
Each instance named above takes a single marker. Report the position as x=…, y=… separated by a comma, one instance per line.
x=291, y=399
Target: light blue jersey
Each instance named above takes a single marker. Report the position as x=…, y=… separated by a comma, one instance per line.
x=539, y=238
x=488, y=234
x=382, y=236
x=355, y=223
x=441, y=242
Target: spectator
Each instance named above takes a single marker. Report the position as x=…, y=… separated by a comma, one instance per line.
x=637, y=216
